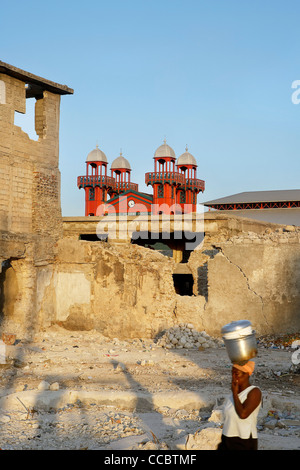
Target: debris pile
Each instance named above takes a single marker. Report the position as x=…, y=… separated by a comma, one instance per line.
x=287, y=341
x=71, y=427
x=186, y=336
x=284, y=423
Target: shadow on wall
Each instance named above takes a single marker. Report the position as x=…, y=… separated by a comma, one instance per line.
x=202, y=273
x=8, y=290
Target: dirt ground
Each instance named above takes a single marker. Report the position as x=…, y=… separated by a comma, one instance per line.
x=81, y=390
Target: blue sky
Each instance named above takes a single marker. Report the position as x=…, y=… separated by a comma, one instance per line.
x=215, y=75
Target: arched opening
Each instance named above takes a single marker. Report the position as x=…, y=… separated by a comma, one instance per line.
x=92, y=169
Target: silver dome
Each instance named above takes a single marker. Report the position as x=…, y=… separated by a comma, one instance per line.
x=164, y=151
x=120, y=163
x=96, y=155
x=186, y=159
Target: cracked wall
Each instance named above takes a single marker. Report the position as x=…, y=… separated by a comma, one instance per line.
x=255, y=277
x=127, y=291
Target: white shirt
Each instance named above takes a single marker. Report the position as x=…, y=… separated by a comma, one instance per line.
x=234, y=426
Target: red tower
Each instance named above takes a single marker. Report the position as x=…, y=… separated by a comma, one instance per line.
x=187, y=197
x=98, y=186
x=165, y=180
x=174, y=190
x=96, y=183
x=175, y=185
x=120, y=172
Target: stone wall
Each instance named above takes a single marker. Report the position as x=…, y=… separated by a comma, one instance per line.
x=251, y=276
x=29, y=176
x=30, y=210
x=123, y=291
x=128, y=291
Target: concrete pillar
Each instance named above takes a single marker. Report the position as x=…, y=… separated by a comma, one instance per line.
x=177, y=255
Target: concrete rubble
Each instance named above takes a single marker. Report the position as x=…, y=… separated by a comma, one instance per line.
x=186, y=336
x=58, y=393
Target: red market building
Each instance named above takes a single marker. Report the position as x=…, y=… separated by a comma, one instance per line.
x=174, y=183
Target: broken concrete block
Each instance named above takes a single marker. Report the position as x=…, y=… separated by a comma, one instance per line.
x=43, y=385
x=206, y=439
x=216, y=416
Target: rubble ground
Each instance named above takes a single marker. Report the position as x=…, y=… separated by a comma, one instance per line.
x=81, y=390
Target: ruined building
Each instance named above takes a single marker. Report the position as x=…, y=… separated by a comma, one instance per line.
x=30, y=208
x=58, y=270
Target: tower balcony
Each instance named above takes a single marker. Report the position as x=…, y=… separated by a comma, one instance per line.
x=164, y=177
x=121, y=186
x=195, y=184
x=101, y=181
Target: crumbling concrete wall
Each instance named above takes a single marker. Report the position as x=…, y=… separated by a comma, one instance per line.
x=29, y=176
x=30, y=210
x=128, y=291
x=253, y=276
x=123, y=291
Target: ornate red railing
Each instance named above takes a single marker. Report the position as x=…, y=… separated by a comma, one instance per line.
x=174, y=178
x=125, y=186
x=106, y=181
x=164, y=177
x=195, y=184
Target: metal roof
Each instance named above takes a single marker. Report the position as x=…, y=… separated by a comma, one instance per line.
x=258, y=196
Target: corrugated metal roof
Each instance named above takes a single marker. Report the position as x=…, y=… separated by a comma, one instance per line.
x=258, y=196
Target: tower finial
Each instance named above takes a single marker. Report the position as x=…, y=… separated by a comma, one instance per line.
x=186, y=148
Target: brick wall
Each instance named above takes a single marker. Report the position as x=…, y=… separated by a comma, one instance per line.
x=29, y=174
x=30, y=210
x=46, y=214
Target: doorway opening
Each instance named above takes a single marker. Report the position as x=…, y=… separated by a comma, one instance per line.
x=8, y=290
x=183, y=284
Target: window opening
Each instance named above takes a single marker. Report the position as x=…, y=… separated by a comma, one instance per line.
x=91, y=194
x=183, y=284
x=27, y=121
x=91, y=237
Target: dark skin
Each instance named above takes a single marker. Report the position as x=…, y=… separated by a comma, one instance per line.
x=240, y=381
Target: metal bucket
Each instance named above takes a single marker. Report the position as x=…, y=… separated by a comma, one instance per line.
x=240, y=341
